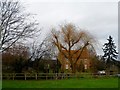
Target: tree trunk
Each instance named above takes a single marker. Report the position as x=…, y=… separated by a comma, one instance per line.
x=74, y=68
x=108, y=68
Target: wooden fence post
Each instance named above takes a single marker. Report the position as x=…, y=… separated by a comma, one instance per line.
x=46, y=76
x=36, y=76
x=62, y=76
x=25, y=76
x=13, y=76
x=56, y=76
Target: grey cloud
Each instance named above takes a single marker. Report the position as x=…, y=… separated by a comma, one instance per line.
x=100, y=19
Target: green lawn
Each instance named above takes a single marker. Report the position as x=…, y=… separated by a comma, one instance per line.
x=65, y=83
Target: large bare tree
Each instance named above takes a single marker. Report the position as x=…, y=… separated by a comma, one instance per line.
x=40, y=51
x=15, y=24
x=70, y=37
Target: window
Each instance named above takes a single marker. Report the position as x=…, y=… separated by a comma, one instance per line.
x=85, y=66
x=66, y=66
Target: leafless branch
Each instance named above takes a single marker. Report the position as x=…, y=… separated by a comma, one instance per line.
x=15, y=24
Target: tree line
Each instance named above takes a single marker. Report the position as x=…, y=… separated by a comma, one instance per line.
x=18, y=28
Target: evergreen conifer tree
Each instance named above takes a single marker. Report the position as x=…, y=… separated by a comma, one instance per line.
x=110, y=53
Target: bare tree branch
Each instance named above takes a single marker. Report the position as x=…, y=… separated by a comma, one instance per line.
x=15, y=24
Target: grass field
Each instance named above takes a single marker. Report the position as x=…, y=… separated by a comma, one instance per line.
x=65, y=83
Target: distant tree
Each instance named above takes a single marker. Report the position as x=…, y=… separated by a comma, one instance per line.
x=68, y=38
x=18, y=65
x=117, y=63
x=14, y=58
x=40, y=51
x=97, y=64
x=15, y=24
x=110, y=53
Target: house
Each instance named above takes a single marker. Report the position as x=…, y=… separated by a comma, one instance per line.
x=85, y=58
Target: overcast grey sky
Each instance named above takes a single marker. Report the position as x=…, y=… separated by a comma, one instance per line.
x=99, y=18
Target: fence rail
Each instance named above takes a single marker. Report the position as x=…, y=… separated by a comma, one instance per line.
x=37, y=76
